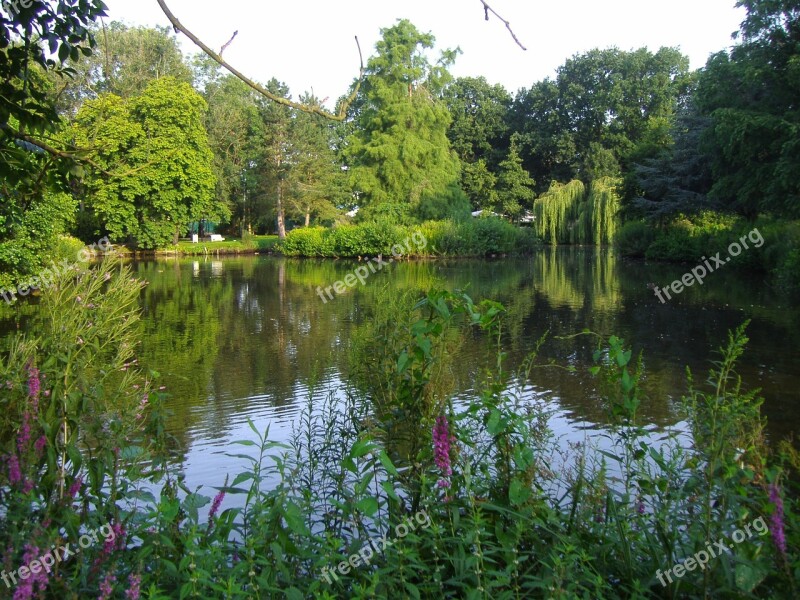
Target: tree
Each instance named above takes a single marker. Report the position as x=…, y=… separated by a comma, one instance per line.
x=478, y=133
x=679, y=178
x=400, y=151
x=159, y=136
x=751, y=94
x=125, y=60
x=232, y=123
x=605, y=108
x=274, y=162
x=316, y=183
x=514, y=185
x=36, y=38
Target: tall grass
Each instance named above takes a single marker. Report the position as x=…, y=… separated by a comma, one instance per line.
x=512, y=513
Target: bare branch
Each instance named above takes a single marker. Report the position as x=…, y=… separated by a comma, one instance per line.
x=488, y=9
x=317, y=110
x=229, y=42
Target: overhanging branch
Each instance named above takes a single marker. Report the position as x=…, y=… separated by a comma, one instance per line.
x=488, y=9
x=317, y=110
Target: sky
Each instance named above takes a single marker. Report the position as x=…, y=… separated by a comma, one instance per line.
x=310, y=46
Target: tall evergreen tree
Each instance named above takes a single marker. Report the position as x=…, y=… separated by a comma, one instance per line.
x=400, y=152
x=514, y=185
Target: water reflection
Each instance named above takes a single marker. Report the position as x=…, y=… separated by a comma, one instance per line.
x=247, y=338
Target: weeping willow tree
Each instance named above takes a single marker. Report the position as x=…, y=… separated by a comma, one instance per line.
x=557, y=209
x=571, y=214
x=604, y=200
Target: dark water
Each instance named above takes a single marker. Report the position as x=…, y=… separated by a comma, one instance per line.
x=246, y=338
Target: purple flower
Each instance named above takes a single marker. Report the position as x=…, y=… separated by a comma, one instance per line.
x=441, y=449
x=134, y=581
x=14, y=472
x=40, y=444
x=776, y=520
x=75, y=487
x=24, y=434
x=106, y=587
x=27, y=588
x=215, y=506
x=34, y=385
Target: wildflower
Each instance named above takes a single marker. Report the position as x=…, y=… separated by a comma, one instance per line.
x=134, y=581
x=106, y=587
x=24, y=434
x=215, y=506
x=776, y=520
x=117, y=542
x=142, y=406
x=441, y=450
x=27, y=588
x=33, y=384
x=40, y=445
x=14, y=472
x=75, y=487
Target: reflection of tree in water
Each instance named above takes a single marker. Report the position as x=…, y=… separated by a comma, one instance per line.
x=254, y=333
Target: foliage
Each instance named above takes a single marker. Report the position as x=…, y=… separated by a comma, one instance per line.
x=514, y=186
x=159, y=136
x=35, y=38
x=73, y=427
x=752, y=142
x=634, y=238
x=478, y=134
x=679, y=178
x=605, y=109
x=471, y=237
x=571, y=214
x=399, y=152
x=125, y=60
x=512, y=515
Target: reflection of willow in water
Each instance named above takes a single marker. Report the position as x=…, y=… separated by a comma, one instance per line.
x=576, y=279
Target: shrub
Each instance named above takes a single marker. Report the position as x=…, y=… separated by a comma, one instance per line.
x=306, y=241
x=634, y=238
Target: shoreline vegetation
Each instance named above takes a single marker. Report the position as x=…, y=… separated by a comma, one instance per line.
x=512, y=512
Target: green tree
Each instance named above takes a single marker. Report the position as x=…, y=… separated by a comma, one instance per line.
x=125, y=61
x=35, y=39
x=316, y=183
x=160, y=138
x=751, y=94
x=478, y=133
x=514, y=185
x=232, y=125
x=400, y=152
x=273, y=147
x=605, y=108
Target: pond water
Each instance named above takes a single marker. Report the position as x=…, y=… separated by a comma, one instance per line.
x=238, y=339
x=247, y=338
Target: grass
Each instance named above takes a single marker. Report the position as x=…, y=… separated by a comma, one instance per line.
x=257, y=243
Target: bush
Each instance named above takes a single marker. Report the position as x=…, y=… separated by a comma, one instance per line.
x=307, y=241
x=633, y=238
x=66, y=247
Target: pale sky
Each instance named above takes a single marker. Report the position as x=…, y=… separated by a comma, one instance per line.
x=309, y=44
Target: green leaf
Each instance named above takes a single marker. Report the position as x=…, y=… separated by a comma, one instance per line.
x=369, y=506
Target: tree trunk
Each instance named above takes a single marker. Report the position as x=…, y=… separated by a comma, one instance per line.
x=308, y=218
x=279, y=208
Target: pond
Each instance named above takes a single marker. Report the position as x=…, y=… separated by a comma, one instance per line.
x=247, y=338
